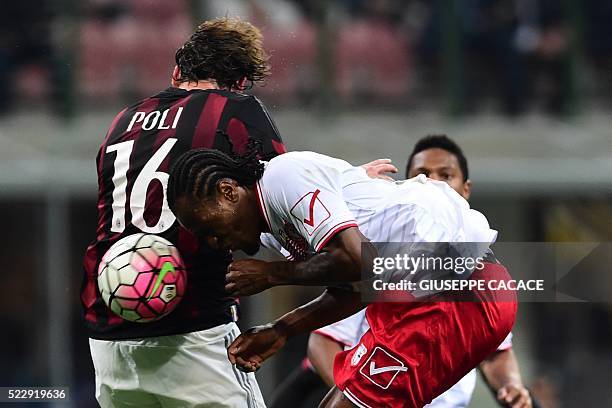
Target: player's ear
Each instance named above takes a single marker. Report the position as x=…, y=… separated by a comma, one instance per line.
x=228, y=189
x=467, y=189
x=176, y=74
x=242, y=84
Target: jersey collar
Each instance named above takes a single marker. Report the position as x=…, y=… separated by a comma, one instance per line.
x=262, y=205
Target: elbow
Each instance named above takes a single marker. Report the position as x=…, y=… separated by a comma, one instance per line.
x=351, y=265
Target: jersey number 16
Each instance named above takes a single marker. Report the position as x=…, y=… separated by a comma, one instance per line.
x=138, y=196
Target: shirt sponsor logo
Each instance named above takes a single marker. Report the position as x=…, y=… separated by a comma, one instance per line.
x=311, y=211
x=382, y=368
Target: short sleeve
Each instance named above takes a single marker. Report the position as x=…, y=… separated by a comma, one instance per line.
x=506, y=344
x=347, y=331
x=268, y=241
x=310, y=199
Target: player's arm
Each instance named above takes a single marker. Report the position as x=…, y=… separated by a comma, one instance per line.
x=313, y=206
x=321, y=352
x=339, y=262
x=501, y=373
x=256, y=345
x=379, y=169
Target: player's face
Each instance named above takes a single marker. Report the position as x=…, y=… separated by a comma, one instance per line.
x=439, y=164
x=228, y=221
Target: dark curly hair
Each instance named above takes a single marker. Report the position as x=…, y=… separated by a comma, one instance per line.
x=196, y=172
x=440, y=142
x=225, y=50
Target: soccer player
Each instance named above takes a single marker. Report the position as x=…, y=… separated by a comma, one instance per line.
x=324, y=211
x=439, y=158
x=180, y=360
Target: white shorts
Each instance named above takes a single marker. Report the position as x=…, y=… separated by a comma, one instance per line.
x=187, y=370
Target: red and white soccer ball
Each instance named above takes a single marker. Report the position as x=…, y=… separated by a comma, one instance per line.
x=142, y=277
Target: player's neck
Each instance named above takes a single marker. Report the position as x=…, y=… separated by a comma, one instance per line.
x=258, y=212
x=202, y=84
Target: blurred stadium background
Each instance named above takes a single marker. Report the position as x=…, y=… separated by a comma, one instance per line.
x=524, y=86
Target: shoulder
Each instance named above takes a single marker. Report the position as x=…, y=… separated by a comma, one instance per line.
x=248, y=100
x=290, y=173
x=118, y=125
x=308, y=159
x=302, y=164
x=290, y=157
x=239, y=99
x=246, y=107
x=436, y=195
x=228, y=96
x=281, y=168
x=448, y=208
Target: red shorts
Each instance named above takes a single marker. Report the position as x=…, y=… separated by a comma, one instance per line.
x=415, y=351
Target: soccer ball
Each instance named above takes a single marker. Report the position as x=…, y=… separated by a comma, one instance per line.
x=142, y=278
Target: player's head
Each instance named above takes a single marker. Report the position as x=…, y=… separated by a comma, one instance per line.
x=227, y=51
x=211, y=195
x=440, y=158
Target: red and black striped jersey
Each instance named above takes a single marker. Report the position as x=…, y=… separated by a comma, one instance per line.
x=132, y=164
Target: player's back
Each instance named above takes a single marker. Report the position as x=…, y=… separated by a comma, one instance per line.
x=417, y=209
x=133, y=162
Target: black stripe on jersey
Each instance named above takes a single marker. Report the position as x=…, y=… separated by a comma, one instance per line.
x=105, y=166
x=272, y=123
x=184, y=133
x=122, y=125
x=186, y=127
x=222, y=141
x=119, y=131
x=254, y=116
x=113, y=125
x=144, y=141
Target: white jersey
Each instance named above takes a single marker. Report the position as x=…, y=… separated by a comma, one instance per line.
x=348, y=332
x=306, y=198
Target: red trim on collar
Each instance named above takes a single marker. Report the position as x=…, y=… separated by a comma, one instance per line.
x=262, y=206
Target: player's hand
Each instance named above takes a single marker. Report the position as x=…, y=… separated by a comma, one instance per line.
x=255, y=346
x=514, y=396
x=379, y=169
x=247, y=277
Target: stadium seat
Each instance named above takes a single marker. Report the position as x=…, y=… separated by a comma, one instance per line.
x=373, y=59
x=292, y=56
x=132, y=55
x=32, y=83
x=102, y=47
x=159, y=11
x=153, y=57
